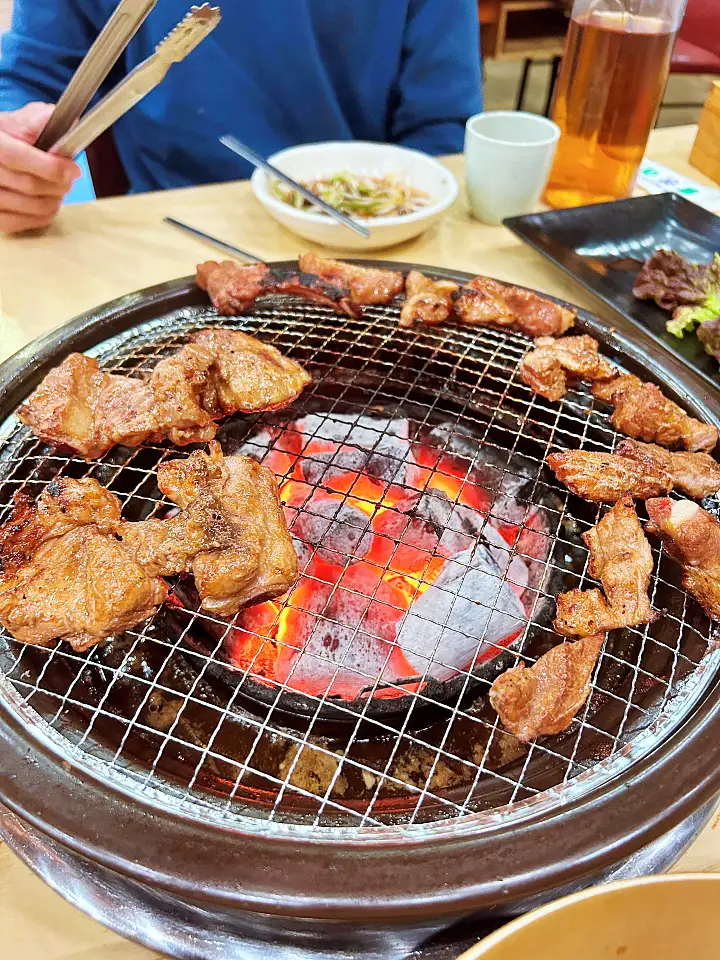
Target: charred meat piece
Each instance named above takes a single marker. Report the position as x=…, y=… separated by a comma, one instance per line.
x=80, y=406
x=643, y=412
x=482, y=301
x=427, y=301
x=608, y=477
x=621, y=560
x=708, y=333
x=670, y=280
x=219, y=372
x=233, y=289
x=63, y=576
x=692, y=537
x=696, y=474
x=546, y=368
x=485, y=301
x=543, y=699
x=164, y=547
x=246, y=374
x=367, y=285
x=63, y=505
x=536, y=316
x=260, y=563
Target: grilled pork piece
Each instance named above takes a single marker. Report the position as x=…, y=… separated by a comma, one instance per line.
x=259, y=563
x=643, y=412
x=607, y=476
x=233, y=289
x=426, y=301
x=696, y=474
x=169, y=546
x=485, y=301
x=80, y=406
x=692, y=537
x=366, y=285
x=543, y=699
x=546, y=368
x=621, y=560
x=63, y=572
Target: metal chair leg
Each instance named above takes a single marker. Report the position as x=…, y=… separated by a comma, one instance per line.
x=553, y=81
x=523, y=83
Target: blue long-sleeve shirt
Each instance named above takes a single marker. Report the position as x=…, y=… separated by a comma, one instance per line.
x=276, y=73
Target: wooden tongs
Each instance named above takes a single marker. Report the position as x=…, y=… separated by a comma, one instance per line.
x=65, y=133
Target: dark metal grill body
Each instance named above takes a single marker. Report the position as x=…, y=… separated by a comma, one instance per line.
x=176, y=770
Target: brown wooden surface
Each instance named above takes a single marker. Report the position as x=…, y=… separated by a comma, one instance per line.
x=705, y=154
x=112, y=247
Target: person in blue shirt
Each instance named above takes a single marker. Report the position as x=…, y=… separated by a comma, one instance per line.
x=275, y=73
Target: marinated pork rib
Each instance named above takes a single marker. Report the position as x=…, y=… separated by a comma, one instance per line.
x=643, y=412
x=80, y=406
x=696, y=474
x=233, y=289
x=546, y=368
x=621, y=560
x=692, y=537
x=366, y=285
x=485, y=301
x=169, y=546
x=426, y=301
x=260, y=562
x=607, y=476
x=64, y=576
x=543, y=699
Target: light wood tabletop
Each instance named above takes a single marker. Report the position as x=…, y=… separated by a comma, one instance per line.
x=98, y=251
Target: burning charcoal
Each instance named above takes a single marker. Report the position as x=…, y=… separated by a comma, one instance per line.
x=340, y=661
x=514, y=568
x=464, y=617
x=338, y=530
x=337, y=443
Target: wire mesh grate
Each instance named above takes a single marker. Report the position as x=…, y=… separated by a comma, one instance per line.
x=397, y=422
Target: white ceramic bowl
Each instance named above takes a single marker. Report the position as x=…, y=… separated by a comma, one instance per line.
x=375, y=159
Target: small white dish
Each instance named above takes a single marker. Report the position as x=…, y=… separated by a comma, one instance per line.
x=315, y=160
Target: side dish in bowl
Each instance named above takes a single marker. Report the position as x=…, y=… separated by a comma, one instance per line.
x=396, y=192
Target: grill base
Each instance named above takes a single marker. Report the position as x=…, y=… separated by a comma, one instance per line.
x=193, y=931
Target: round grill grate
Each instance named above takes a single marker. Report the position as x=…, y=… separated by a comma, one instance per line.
x=159, y=712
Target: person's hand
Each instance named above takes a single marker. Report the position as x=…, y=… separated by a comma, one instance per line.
x=32, y=183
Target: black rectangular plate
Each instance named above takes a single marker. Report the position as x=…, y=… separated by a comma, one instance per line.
x=604, y=245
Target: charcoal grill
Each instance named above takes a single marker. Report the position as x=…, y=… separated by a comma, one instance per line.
x=333, y=821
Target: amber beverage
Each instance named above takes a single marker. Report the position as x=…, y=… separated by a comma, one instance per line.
x=611, y=83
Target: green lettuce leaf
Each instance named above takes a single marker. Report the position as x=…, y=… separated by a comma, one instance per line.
x=685, y=319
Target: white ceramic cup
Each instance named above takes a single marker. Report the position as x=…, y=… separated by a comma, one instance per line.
x=508, y=156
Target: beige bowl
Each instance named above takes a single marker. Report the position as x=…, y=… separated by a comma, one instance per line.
x=674, y=917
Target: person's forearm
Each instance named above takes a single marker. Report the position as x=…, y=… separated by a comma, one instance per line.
x=45, y=44
x=436, y=138
x=440, y=84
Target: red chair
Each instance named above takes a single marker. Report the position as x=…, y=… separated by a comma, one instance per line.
x=697, y=49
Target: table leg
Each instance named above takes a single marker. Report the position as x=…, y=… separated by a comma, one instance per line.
x=553, y=80
x=523, y=83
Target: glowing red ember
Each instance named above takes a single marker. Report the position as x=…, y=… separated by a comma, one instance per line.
x=406, y=572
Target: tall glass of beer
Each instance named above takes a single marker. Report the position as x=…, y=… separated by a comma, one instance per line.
x=613, y=74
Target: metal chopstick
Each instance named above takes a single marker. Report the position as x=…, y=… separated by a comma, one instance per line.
x=97, y=64
x=232, y=143
x=236, y=251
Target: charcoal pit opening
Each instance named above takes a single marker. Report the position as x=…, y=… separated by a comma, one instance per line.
x=412, y=473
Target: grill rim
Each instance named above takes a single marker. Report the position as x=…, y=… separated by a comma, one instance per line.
x=273, y=872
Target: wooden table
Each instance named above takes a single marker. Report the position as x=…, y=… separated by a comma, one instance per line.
x=99, y=251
